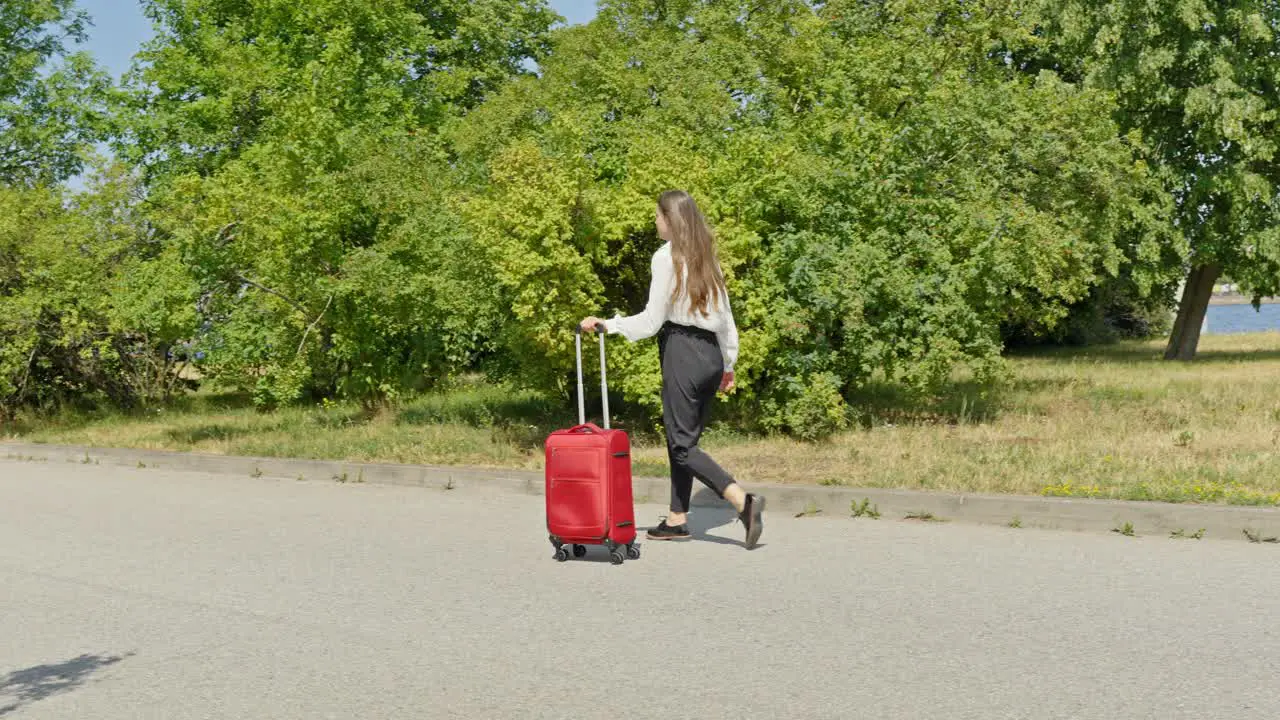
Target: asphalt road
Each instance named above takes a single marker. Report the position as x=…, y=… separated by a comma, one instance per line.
x=153, y=594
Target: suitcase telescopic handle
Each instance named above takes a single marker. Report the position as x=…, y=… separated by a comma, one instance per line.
x=604, y=381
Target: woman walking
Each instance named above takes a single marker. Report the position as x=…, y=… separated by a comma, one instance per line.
x=688, y=309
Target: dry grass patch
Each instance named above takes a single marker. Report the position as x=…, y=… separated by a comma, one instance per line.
x=1113, y=422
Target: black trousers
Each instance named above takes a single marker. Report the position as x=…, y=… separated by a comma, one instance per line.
x=691, y=372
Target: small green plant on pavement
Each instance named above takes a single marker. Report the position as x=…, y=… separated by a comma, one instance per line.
x=865, y=509
x=809, y=510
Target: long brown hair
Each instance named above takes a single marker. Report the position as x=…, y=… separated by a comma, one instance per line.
x=692, y=248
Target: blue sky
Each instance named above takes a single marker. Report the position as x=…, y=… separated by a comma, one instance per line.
x=119, y=28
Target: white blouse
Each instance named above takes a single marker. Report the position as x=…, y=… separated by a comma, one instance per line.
x=661, y=309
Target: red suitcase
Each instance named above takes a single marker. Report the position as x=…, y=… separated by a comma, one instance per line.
x=588, y=482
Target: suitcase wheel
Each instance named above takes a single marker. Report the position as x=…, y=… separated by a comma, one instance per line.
x=616, y=556
x=633, y=552
x=562, y=554
x=579, y=551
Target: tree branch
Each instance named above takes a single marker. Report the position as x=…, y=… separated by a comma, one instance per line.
x=26, y=375
x=221, y=238
x=312, y=326
x=293, y=303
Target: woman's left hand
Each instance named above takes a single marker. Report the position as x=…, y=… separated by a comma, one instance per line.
x=726, y=382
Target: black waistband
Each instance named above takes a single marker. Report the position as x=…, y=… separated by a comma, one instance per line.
x=670, y=328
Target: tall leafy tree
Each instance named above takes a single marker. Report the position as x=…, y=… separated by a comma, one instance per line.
x=53, y=103
x=1200, y=81
x=220, y=76
x=83, y=311
x=888, y=190
x=270, y=132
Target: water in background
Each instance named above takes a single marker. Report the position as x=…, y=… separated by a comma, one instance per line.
x=1226, y=319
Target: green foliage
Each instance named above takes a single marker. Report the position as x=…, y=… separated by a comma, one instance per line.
x=365, y=198
x=813, y=410
x=864, y=509
x=1114, y=310
x=48, y=113
x=1126, y=530
x=886, y=196
x=221, y=78
x=1198, y=80
x=294, y=171
x=76, y=319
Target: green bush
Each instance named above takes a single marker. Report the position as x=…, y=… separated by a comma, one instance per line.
x=358, y=200
x=875, y=220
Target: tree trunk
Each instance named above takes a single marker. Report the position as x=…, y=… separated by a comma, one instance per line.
x=1191, y=312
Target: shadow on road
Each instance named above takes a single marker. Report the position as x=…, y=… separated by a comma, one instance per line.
x=704, y=519
x=709, y=512
x=23, y=687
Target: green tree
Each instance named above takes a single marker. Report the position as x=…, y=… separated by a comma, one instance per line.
x=218, y=77
x=49, y=113
x=81, y=314
x=1198, y=80
x=888, y=191
x=292, y=159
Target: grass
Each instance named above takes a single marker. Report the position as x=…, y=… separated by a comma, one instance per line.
x=810, y=509
x=1109, y=422
x=865, y=509
x=1125, y=530
x=474, y=425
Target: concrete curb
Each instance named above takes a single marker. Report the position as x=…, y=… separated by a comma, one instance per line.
x=1221, y=522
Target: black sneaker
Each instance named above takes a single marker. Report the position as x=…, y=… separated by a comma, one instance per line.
x=752, y=518
x=666, y=532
